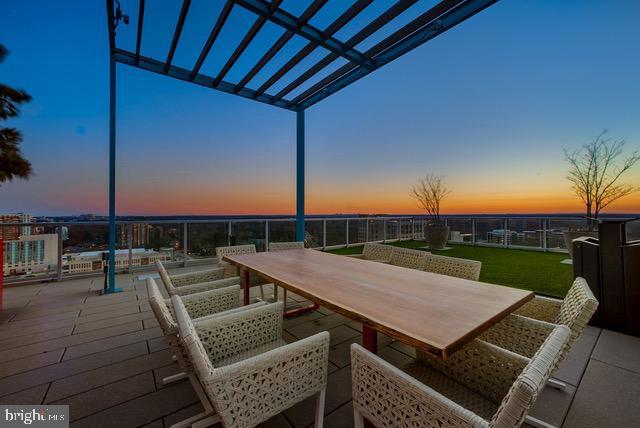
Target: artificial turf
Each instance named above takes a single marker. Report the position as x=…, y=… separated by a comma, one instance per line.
x=537, y=271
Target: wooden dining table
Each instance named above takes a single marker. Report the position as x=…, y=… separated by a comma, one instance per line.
x=434, y=313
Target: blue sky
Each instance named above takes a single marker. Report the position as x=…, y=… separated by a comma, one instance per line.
x=490, y=104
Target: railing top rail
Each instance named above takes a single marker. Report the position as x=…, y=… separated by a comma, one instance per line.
x=308, y=219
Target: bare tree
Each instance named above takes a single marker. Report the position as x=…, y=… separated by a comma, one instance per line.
x=595, y=171
x=429, y=192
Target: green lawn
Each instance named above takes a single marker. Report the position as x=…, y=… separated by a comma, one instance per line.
x=531, y=270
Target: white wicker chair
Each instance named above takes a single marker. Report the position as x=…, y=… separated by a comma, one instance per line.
x=453, y=266
x=479, y=386
x=189, y=283
x=283, y=246
x=203, y=305
x=406, y=257
x=525, y=332
x=247, y=370
x=231, y=271
x=375, y=253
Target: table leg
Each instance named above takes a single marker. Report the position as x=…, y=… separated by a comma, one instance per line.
x=369, y=338
x=370, y=343
x=244, y=275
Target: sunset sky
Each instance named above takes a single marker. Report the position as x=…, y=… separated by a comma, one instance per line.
x=489, y=104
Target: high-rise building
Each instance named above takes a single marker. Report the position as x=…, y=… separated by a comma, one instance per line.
x=30, y=254
x=14, y=232
x=139, y=235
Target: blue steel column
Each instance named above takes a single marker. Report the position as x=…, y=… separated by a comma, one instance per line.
x=300, y=175
x=112, y=153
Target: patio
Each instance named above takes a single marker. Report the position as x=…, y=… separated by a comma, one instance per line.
x=105, y=356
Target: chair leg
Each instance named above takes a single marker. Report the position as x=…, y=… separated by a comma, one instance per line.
x=262, y=293
x=537, y=423
x=358, y=420
x=320, y=408
x=174, y=378
x=557, y=384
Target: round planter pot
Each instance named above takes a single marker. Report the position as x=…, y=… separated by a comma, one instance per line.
x=570, y=235
x=436, y=236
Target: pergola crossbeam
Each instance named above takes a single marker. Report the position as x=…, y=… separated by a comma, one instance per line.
x=139, y=32
x=215, y=31
x=176, y=34
x=309, y=32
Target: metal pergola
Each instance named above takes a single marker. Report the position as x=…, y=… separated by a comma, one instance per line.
x=425, y=26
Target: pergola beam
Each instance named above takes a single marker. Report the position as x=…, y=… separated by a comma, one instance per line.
x=155, y=66
x=309, y=32
x=340, y=22
x=176, y=34
x=387, y=50
x=139, y=35
x=282, y=40
x=371, y=28
x=215, y=31
x=257, y=25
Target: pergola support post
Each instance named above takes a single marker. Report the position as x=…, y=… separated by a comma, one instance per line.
x=111, y=285
x=300, y=175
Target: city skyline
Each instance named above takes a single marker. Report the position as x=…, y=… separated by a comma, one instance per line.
x=490, y=105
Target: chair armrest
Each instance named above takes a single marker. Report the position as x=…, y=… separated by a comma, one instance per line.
x=385, y=395
x=206, y=286
x=519, y=334
x=227, y=335
x=208, y=275
x=211, y=302
x=541, y=308
x=234, y=310
x=283, y=376
x=484, y=368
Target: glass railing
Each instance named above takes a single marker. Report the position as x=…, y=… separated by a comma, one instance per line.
x=50, y=251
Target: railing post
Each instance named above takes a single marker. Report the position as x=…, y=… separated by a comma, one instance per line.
x=366, y=230
x=473, y=231
x=59, y=273
x=399, y=232
x=185, y=240
x=505, y=238
x=545, y=226
x=413, y=228
x=229, y=234
x=384, y=230
x=130, y=246
x=347, y=234
x=324, y=234
x=266, y=235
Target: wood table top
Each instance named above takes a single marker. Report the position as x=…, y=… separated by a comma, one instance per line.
x=437, y=314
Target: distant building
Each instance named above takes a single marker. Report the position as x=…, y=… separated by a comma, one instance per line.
x=139, y=235
x=14, y=232
x=91, y=261
x=30, y=254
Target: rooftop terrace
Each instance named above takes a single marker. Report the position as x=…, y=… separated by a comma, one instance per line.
x=105, y=357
